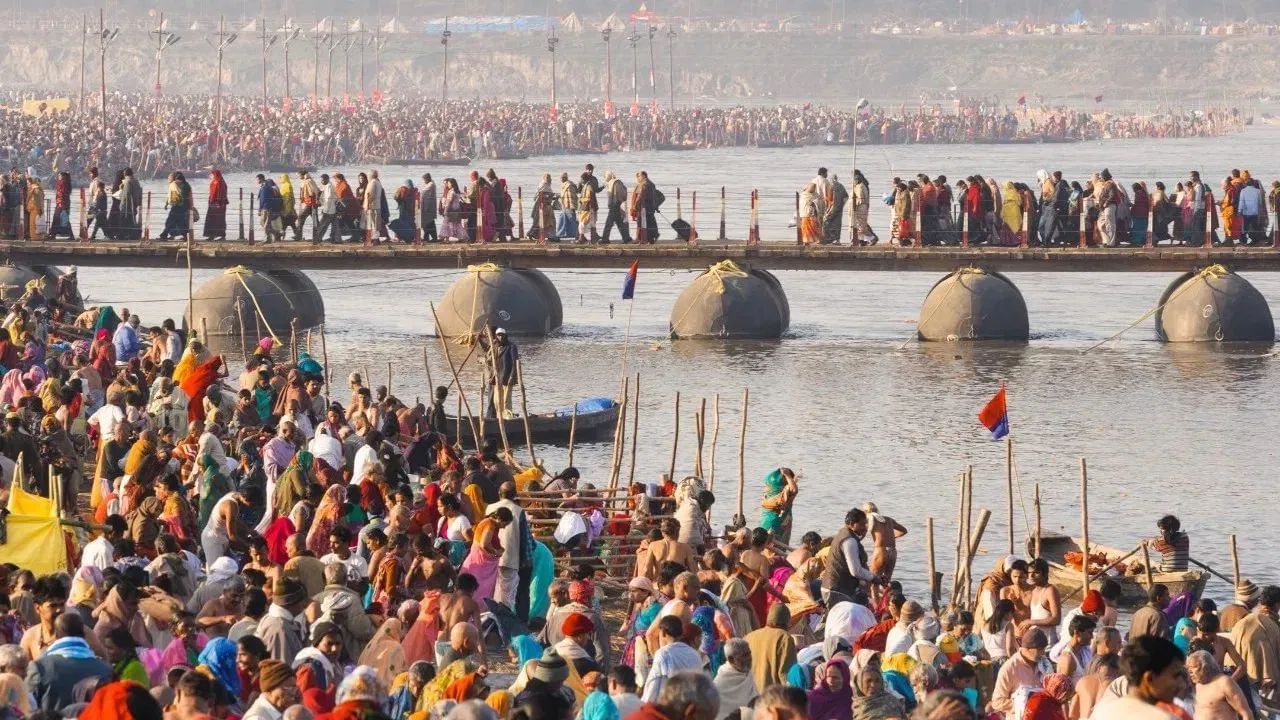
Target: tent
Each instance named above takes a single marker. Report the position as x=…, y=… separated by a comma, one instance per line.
x=613, y=22
x=1075, y=18
x=35, y=539
x=395, y=27
x=326, y=25
x=572, y=22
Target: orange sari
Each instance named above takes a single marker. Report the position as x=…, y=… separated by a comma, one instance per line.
x=197, y=383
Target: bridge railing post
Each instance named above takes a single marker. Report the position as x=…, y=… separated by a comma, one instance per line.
x=520, y=212
x=146, y=220
x=722, y=216
x=1151, y=226
x=84, y=217
x=1208, y=220
x=1275, y=231
x=191, y=221
x=753, y=219
x=252, y=222
x=1024, y=236
x=693, y=220
x=539, y=207
x=1084, y=221
x=240, y=212
x=964, y=229
x=799, y=234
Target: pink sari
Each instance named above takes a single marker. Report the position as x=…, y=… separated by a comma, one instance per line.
x=420, y=641
x=482, y=561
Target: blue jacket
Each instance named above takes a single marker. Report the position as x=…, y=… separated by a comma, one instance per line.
x=269, y=197
x=126, y=342
x=1249, y=201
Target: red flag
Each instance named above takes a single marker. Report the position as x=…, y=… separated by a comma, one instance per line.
x=1022, y=99
x=1097, y=98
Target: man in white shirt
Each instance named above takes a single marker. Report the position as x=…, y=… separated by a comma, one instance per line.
x=367, y=454
x=848, y=620
x=108, y=416
x=328, y=212
x=340, y=552
x=510, y=536
x=1153, y=666
x=622, y=690
x=172, y=341
x=672, y=657
x=100, y=553
x=327, y=448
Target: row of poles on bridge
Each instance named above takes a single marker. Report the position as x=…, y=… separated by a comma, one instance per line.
x=355, y=35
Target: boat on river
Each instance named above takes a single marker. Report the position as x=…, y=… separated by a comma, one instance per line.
x=402, y=162
x=596, y=419
x=1065, y=575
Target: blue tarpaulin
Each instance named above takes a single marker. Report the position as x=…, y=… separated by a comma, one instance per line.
x=589, y=405
x=491, y=23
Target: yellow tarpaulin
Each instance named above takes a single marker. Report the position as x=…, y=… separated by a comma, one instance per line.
x=35, y=534
x=45, y=106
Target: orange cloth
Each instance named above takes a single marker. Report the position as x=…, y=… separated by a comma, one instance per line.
x=197, y=383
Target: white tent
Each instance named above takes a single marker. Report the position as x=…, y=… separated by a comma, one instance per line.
x=356, y=25
x=572, y=22
x=252, y=27
x=326, y=25
x=613, y=22
x=396, y=27
x=196, y=26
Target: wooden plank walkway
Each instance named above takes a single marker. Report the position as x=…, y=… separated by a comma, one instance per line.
x=767, y=256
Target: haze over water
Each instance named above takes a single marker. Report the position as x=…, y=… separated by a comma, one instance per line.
x=1187, y=430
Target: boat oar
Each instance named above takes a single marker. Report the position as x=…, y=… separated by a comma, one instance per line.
x=1105, y=570
x=1211, y=571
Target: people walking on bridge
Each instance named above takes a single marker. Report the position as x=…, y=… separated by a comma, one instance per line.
x=269, y=205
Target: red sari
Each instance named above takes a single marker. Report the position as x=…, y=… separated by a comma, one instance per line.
x=197, y=383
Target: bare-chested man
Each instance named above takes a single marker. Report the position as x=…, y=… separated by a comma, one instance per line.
x=429, y=570
x=884, y=532
x=460, y=606
x=668, y=549
x=686, y=589
x=756, y=560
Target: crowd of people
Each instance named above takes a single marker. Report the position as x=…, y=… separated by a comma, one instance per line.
x=190, y=132
x=256, y=548
x=1052, y=211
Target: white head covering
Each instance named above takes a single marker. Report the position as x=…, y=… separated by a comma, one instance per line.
x=224, y=568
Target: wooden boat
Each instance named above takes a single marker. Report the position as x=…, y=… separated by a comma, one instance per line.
x=503, y=155
x=777, y=144
x=291, y=168
x=674, y=146
x=460, y=162
x=1133, y=586
x=552, y=427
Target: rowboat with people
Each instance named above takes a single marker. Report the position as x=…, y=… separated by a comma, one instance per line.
x=1063, y=555
x=595, y=419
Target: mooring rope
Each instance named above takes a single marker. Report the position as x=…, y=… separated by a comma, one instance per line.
x=957, y=274
x=1215, y=270
x=239, y=271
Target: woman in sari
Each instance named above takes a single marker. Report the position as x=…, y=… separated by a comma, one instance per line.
x=832, y=694
x=328, y=514
x=177, y=517
x=211, y=486
x=215, y=216
x=874, y=702
x=197, y=383
x=104, y=354
x=292, y=484
x=486, y=550
x=141, y=466
x=454, y=528
x=451, y=210
x=1010, y=214
x=543, y=209
x=780, y=492
x=812, y=208
x=384, y=653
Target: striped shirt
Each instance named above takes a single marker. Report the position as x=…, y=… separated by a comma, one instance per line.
x=1174, y=555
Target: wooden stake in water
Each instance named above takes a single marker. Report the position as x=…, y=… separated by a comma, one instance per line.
x=715, y=438
x=635, y=430
x=742, y=451
x=1084, y=522
x=573, y=429
x=933, y=577
x=675, y=439
x=524, y=413
x=426, y=364
x=1008, y=474
x=462, y=395
x=1235, y=564
x=1038, y=532
x=324, y=355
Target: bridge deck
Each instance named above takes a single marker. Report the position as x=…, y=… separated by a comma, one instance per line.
x=770, y=256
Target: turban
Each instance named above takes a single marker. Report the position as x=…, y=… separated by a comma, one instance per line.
x=272, y=674
x=576, y=624
x=1093, y=603
x=581, y=592
x=362, y=684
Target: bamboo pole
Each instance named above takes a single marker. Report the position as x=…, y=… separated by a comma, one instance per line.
x=1146, y=561
x=389, y=393
x=742, y=450
x=975, y=540
x=457, y=416
x=956, y=577
x=324, y=355
x=462, y=396
x=615, y=460
x=426, y=364
x=1008, y=474
x=715, y=438
x=700, y=428
x=635, y=432
x=933, y=580
x=1036, y=540
x=573, y=429
x=968, y=532
x=524, y=413
x=675, y=439
x=1235, y=563
x=1084, y=521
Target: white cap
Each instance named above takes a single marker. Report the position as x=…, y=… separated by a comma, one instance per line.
x=500, y=331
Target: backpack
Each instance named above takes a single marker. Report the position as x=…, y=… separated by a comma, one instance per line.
x=658, y=199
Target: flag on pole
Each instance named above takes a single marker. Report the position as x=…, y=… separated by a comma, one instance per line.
x=995, y=415
x=629, y=282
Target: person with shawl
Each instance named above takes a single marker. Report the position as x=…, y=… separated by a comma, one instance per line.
x=896, y=670
x=434, y=690
x=198, y=382
x=989, y=590
x=734, y=680
x=291, y=486
x=780, y=492
x=468, y=687
x=120, y=609
x=329, y=513
x=219, y=656
x=450, y=207
x=144, y=526
x=384, y=652
x=360, y=697
x=406, y=690
x=711, y=618
x=486, y=551
x=812, y=208
x=193, y=357
x=104, y=354
x=212, y=485
x=1010, y=214
x=832, y=695
x=773, y=650
x=215, y=215
x=1051, y=700
x=874, y=701
x=288, y=206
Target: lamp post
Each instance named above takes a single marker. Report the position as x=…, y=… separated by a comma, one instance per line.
x=268, y=39
x=224, y=40
x=379, y=42
x=84, y=39
x=164, y=40
x=328, y=83
x=607, y=32
x=862, y=102
x=319, y=38
x=363, y=31
x=347, y=42
x=634, y=39
x=671, y=64
x=653, y=77
x=444, y=40
x=288, y=33
x=105, y=36
x=552, y=41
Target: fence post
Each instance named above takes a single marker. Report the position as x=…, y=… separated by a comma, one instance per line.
x=679, y=205
x=191, y=221
x=1151, y=226
x=693, y=220
x=146, y=221
x=1208, y=220
x=643, y=234
x=722, y=209
x=520, y=211
x=251, y=222
x=417, y=223
x=84, y=217
x=1026, y=222
x=799, y=235
x=964, y=229
x=753, y=220
x=919, y=230
x=1083, y=222
x=240, y=212
x=1275, y=231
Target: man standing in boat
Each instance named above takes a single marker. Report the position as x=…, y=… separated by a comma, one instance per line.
x=1173, y=545
x=503, y=377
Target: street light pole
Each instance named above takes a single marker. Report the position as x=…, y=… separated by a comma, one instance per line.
x=84, y=39
x=288, y=32
x=328, y=83
x=671, y=64
x=268, y=39
x=224, y=40
x=607, y=32
x=347, y=40
x=105, y=37
x=552, y=41
x=444, y=40
x=319, y=38
x=634, y=39
x=653, y=78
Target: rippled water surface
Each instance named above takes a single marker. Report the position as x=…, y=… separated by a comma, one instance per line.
x=856, y=405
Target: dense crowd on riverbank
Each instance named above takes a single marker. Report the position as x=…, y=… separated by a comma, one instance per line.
x=184, y=132
x=258, y=548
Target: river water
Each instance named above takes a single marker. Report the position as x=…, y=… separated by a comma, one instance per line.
x=850, y=400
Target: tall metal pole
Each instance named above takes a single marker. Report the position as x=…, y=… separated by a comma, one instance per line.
x=363, y=45
x=224, y=39
x=634, y=39
x=268, y=39
x=328, y=83
x=444, y=40
x=102, y=67
x=653, y=77
x=607, y=32
x=378, y=40
x=318, y=37
x=159, y=33
x=346, y=66
x=288, y=34
x=552, y=41
x=84, y=40
x=671, y=64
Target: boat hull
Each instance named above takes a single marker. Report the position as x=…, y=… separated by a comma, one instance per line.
x=1133, y=588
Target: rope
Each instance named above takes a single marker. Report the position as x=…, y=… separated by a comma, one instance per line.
x=956, y=275
x=239, y=271
x=717, y=273
x=1216, y=270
